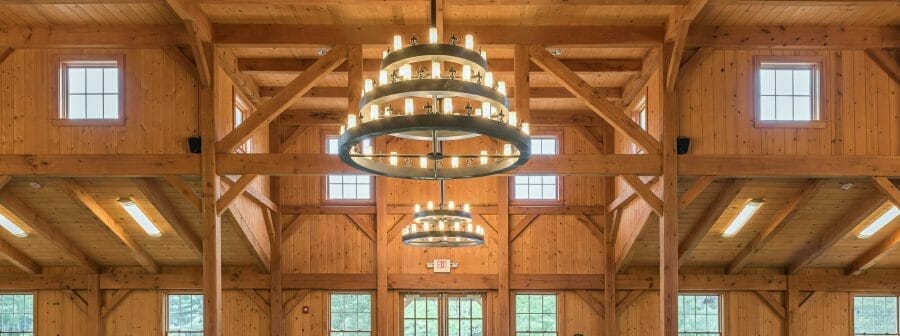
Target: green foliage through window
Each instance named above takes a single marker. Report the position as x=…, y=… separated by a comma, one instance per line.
x=875, y=315
x=185, y=315
x=16, y=314
x=698, y=315
x=536, y=315
x=351, y=314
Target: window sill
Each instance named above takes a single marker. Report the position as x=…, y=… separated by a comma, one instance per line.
x=87, y=122
x=789, y=124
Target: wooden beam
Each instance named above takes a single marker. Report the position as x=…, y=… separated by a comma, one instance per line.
x=189, y=194
x=98, y=164
x=888, y=189
x=442, y=281
x=636, y=86
x=245, y=84
x=629, y=298
x=292, y=137
x=857, y=213
x=365, y=227
x=625, y=249
x=549, y=92
x=29, y=217
x=272, y=108
x=538, y=118
x=807, y=166
x=4, y=53
x=94, y=36
x=695, y=190
x=94, y=300
x=77, y=193
x=874, y=254
x=595, y=229
x=676, y=35
x=114, y=302
x=885, y=62
x=503, y=311
x=176, y=219
x=77, y=299
x=520, y=227
x=4, y=179
x=261, y=253
x=382, y=227
x=257, y=299
x=595, y=141
x=210, y=221
x=808, y=301
x=18, y=259
x=610, y=321
x=606, y=109
x=233, y=192
x=793, y=36
x=628, y=196
x=715, y=210
x=254, y=195
x=258, y=66
x=297, y=35
x=538, y=282
x=199, y=28
x=669, y=252
x=175, y=53
x=781, y=218
x=595, y=305
x=770, y=301
x=292, y=303
x=645, y=192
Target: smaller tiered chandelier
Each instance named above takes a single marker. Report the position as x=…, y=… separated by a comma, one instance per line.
x=444, y=226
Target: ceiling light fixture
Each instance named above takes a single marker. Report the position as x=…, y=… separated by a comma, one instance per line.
x=459, y=100
x=880, y=222
x=139, y=216
x=742, y=217
x=444, y=226
x=13, y=229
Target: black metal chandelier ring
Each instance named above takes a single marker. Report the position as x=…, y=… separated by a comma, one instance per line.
x=434, y=215
x=434, y=88
x=434, y=52
x=446, y=239
x=497, y=130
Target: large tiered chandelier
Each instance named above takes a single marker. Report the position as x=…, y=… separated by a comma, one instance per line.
x=457, y=99
x=442, y=226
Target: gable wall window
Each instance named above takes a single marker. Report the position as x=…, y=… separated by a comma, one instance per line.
x=875, y=315
x=536, y=315
x=90, y=90
x=240, y=113
x=184, y=314
x=539, y=188
x=345, y=187
x=699, y=315
x=351, y=314
x=17, y=314
x=788, y=91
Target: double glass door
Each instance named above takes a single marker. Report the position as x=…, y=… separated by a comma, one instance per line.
x=443, y=314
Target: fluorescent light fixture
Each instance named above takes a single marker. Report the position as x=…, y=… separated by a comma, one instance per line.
x=13, y=229
x=882, y=221
x=139, y=216
x=742, y=217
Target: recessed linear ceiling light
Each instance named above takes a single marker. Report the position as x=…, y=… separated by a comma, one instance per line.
x=879, y=223
x=13, y=229
x=139, y=216
x=742, y=217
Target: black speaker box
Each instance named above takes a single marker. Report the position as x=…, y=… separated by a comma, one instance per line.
x=684, y=144
x=194, y=144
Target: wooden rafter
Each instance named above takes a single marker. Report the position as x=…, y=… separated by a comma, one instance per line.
x=593, y=303
x=781, y=218
x=288, y=231
x=175, y=53
x=770, y=301
x=603, y=107
x=176, y=219
x=644, y=192
x=888, y=189
x=189, y=194
x=592, y=226
x=856, y=214
x=18, y=259
x=257, y=299
x=200, y=30
x=292, y=137
x=695, y=190
x=114, y=301
x=886, y=62
x=246, y=85
x=362, y=225
x=236, y=189
x=871, y=256
x=37, y=223
x=294, y=300
x=272, y=108
x=520, y=227
x=634, y=87
x=261, y=255
x=595, y=141
x=254, y=195
x=628, y=196
x=77, y=192
x=625, y=250
x=710, y=216
x=676, y=37
x=629, y=298
x=793, y=36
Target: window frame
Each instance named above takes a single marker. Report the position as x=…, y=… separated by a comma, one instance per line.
x=443, y=317
x=239, y=104
x=59, y=112
x=34, y=307
x=328, y=134
x=720, y=315
x=557, y=136
x=165, y=308
x=853, y=297
x=371, y=309
x=817, y=96
x=559, y=309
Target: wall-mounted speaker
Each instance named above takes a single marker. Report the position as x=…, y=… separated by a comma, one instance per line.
x=684, y=144
x=194, y=144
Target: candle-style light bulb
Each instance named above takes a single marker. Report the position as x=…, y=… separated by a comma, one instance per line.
x=373, y=112
x=478, y=112
x=406, y=71
x=436, y=70
x=432, y=35
x=417, y=208
x=507, y=149
x=393, y=158
x=367, y=85
x=486, y=109
x=489, y=79
x=454, y=162
x=501, y=87
x=342, y=130
x=484, y=158
x=448, y=105
x=470, y=41
x=484, y=54
x=398, y=42
x=467, y=208
x=351, y=120
x=456, y=226
x=525, y=128
x=384, y=54
x=451, y=205
x=479, y=229
x=413, y=228
x=512, y=119
x=382, y=77
x=467, y=73
x=441, y=226
x=469, y=227
x=408, y=107
x=423, y=162
x=430, y=205
x=367, y=151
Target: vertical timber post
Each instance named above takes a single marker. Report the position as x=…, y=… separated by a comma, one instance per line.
x=211, y=222
x=276, y=292
x=668, y=226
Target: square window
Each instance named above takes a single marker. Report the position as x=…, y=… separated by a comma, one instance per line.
x=184, y=314
x=240, y=113
x=17, y=314
x=536, y=187
x=351, y=314
x=90, y=90
x=787, y=91
x=349, y=187
x=535, y=314
x=698, y=314
x=544, y=146
x=875, y=315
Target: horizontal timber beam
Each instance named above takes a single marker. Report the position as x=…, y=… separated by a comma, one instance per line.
x=759, y=37
x=538, y=118
x=96, y=36
x=536, y=92
x=372, y=66
x=287, y=35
